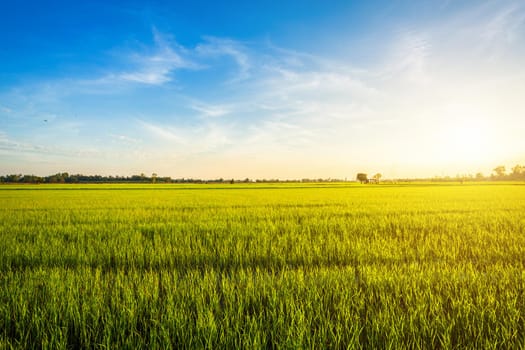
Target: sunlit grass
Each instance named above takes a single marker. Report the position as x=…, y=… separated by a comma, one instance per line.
x=259, y=265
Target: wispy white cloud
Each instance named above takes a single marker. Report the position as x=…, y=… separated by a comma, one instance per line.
x=407, y=58
x=211, y=111
x=504, y=25
x=18, y=147
x=186, y=142
x=164, y=133
x=216, y=47
x=157, y=66
x=155, y=69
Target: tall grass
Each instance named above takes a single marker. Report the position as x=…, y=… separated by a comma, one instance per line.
x=423, y=266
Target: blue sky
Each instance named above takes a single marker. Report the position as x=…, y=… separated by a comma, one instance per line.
x=288, y=89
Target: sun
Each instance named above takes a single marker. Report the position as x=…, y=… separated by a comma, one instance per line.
x=465, y=140
x=468, y=139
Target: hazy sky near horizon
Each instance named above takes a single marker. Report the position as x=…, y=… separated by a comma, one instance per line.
x=262, y=89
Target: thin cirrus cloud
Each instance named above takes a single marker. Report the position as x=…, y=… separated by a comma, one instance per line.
x=157, y=66
x=218, y=47
x=211, y=111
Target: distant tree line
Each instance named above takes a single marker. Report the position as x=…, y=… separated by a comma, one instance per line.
x=500, y=173
x=142, y=178
x=79, y=178
x=154, y=178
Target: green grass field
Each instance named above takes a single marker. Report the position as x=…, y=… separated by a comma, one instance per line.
x=263, y=266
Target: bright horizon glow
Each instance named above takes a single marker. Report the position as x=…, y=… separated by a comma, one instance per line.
x=284, y=91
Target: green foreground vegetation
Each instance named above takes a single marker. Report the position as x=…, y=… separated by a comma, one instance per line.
x=262, y=266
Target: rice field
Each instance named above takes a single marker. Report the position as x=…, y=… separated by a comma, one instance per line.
x=295, y=266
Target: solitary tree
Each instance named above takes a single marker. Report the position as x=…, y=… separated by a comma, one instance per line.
x=362, y=177
x=378, y=177
x=154, y=177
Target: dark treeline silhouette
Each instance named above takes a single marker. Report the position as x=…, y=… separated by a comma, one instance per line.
x=79, y=178
x=517, y=173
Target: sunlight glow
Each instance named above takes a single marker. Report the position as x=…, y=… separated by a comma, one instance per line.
x=466, y=137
